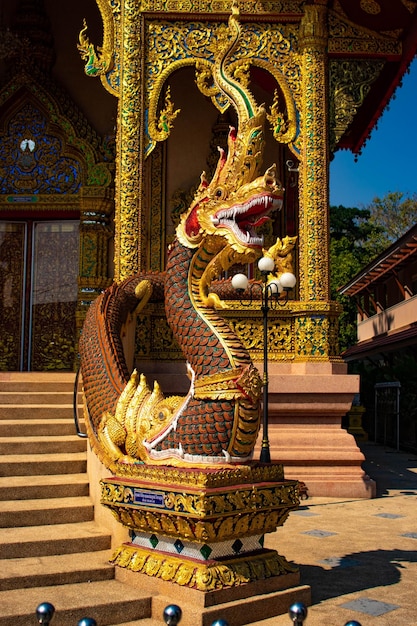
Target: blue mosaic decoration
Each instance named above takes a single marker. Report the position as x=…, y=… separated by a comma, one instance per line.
x=34, y=159
x=179, y=546
x=237, y=546
x=205, y=551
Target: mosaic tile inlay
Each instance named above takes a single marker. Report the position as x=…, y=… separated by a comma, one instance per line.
x=199, y=551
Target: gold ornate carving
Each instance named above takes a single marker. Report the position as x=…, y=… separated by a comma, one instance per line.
x=204, y=577
x=154, y=339
x=282, y=253
x=129, y=175
x=350, y=82
x=96, y=64
x=222, y=528
x=159, y=130
x=313, y=171
x=206, y=514
x=153, y=231
x=352, y=39
x=201, y=478
x=105, y=61
x=213, y=503
x=173, y=45
x=222, y=7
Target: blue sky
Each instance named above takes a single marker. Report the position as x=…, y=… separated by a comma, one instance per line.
x=389, y=159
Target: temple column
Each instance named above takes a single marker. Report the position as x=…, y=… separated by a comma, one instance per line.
x=309, y=395
x=129, y=158
x=314, y=165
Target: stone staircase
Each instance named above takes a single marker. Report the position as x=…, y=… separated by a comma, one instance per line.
x=51, y=550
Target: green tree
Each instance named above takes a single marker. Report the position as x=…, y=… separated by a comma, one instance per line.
x=357, y=236
x=350, y=231
x=392, y=216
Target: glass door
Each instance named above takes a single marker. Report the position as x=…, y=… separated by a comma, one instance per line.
x=38, y=300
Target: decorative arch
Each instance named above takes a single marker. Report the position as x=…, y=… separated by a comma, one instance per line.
x=174, y=45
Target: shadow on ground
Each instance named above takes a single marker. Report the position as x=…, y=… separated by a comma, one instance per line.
x=392, y=470
x=356, y=572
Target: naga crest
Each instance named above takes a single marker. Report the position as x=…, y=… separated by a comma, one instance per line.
x=238, y=198
x=218, y=420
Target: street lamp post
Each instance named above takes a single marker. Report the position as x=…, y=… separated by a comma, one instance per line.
x=270, y=291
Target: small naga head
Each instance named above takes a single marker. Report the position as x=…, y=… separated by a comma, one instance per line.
x=238, y=199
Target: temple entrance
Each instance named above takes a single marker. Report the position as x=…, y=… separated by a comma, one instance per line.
x=38, y=294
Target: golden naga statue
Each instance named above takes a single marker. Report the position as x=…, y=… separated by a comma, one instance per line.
x=217, y=422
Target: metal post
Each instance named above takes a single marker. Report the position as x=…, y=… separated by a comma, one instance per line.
x=172, y=615
x=269, y=295
x=45, y=613
x=298, y=613
x=265, y=451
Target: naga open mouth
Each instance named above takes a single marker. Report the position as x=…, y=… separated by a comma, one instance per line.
x=242, y=219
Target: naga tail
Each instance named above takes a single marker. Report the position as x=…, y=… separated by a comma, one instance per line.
x=104, y=368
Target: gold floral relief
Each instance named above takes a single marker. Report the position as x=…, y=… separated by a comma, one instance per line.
x=349, y=83
x=313, y=223
x=173, y=45
x=129, y=165
x=202, y=576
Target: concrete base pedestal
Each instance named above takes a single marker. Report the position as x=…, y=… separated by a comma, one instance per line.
x=237, y=605
x=306, y=404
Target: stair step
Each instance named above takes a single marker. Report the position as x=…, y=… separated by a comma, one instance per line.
x=37, y=541
x=45, y=511
x=146, y=621
x=36, y=397
x=35, y=411
x=40, y=464
x=49, y=486
x=42, y=444
x=26, y=382
x=105, y=601
x=30, y=428
x=58, y=569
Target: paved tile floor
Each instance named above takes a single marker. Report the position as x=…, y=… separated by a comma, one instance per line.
x=358, y=556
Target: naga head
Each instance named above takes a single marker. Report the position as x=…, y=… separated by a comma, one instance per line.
x=239, y=198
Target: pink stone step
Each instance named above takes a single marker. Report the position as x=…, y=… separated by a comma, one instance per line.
x=34, y=427
x=35, y=411
x=63, y=569
x=41, y=464
x=37, y=541
x=49, y=486
x=42, y=444
x=45, y=511
x=36, y=397
x=105, y=601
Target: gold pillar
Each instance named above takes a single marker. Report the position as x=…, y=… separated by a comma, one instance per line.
x=129, y=159
x=314, y=167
